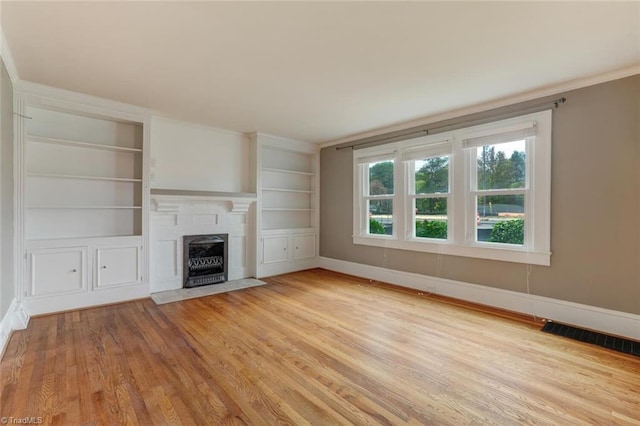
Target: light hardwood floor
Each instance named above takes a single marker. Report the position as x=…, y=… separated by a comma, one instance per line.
x=313, y=347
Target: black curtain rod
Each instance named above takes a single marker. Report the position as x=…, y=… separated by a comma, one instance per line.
x=455, y=123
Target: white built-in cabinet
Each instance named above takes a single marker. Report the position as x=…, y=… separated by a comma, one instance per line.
x=304, y=246
x=83, y=194
x=80, y=265
x=117, y=266
x=287, y=245
x=287, y=205
x=275, y=248
x=57, y=271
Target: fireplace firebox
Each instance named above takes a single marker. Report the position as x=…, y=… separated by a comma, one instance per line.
x=205, y=259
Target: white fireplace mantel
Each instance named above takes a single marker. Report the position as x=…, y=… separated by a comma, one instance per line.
x=177, y=213
x=170, y=200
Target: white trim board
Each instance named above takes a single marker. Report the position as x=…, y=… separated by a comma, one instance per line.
x=586, y=316
x=15, y=319
x=81, y=300
x=7, y=57
x=43, y=96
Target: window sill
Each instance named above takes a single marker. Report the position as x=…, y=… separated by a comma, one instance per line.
x=500, y=253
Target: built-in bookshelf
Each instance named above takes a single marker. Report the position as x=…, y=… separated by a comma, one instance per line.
x=287, y=205
x=81, y=200
x=288, y=189
x=83, y=176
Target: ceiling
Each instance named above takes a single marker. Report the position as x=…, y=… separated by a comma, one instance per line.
x=315, y=71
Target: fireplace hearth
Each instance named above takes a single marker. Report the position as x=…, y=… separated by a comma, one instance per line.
x=205, y=259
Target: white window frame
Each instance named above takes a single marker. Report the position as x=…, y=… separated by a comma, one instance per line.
x=461, y=204
x=432, y=147
x=361, y=175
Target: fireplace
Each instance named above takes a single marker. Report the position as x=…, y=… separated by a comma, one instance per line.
x=205, y=259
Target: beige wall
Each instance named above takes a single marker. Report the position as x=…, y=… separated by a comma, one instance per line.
x=7, y=289
x=595, y=210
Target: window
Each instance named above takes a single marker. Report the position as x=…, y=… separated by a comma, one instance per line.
x=380, y=197
x=499, y=192
x=377, y=186
x=428, y=168
x=481, y=191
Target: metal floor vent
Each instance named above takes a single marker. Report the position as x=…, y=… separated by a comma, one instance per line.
x=616, y=343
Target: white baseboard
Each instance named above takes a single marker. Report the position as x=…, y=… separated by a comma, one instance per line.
x=586, y=316
x=65, y=302
x=279, y=268
x=16, y=318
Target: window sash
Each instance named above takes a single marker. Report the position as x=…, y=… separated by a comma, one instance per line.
x=492, y=192
x=473, y=170
x=379, y=197
x=434, y=195
x=366, y=183
x=366, y=215
x=411, y=231
x=411, y=171
x=365, y=197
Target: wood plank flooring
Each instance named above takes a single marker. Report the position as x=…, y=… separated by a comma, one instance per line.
x=313, y=347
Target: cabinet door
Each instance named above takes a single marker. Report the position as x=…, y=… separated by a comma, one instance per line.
x=305, y=246
x=117, y=266
x=275, y=249
x=58, y=271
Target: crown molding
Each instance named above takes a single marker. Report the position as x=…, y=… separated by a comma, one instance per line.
x=53, y=97
x=7, y=58
x=497, y=103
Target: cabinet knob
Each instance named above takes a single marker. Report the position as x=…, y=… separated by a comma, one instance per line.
x=285, y=249
x=104, y=267
x=74, y=270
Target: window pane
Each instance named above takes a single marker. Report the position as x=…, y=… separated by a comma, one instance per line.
x=381, y=217
x=432, y=175
x=431, y=218
x=381, y=178
x=502, y=166
x=501, y=219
